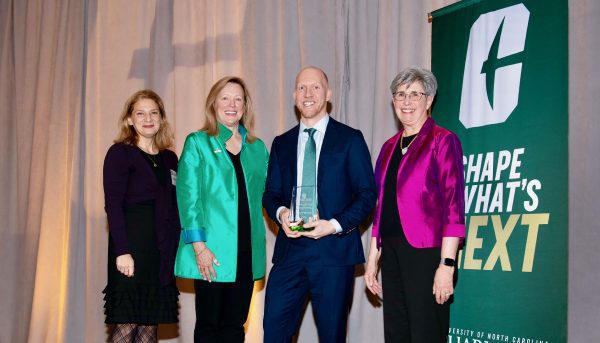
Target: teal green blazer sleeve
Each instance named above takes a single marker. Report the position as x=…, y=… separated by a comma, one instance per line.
x=189, y=195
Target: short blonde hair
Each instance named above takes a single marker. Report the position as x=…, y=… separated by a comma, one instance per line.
x=211, y=126
x=127, y=134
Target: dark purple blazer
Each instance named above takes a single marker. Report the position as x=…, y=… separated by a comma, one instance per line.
x=128, y=178
x=430, y=186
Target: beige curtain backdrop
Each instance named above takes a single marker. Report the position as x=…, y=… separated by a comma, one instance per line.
x=67, y=66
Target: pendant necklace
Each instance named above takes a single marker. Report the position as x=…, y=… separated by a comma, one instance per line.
x=152, y=160
x=404, y=150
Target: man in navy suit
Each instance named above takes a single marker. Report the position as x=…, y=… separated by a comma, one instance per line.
x=319, y=262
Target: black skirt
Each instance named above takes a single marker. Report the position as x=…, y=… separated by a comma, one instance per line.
x=139, y=299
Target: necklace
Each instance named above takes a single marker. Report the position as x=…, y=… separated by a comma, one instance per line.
x=404, y=150
x=152, y=160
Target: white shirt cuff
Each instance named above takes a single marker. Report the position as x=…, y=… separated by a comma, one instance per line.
x=338, y=227
x=281, y=208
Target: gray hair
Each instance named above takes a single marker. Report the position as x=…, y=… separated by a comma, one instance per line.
x=414, y=74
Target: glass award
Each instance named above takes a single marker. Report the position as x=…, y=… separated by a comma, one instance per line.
x=303, y=208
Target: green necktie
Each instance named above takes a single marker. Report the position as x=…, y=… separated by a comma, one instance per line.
x=309, y=167
x=309, y=174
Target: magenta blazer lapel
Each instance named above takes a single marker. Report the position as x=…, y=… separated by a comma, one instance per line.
x=430, y=186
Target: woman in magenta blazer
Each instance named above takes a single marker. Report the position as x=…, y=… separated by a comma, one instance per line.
x=419, y=219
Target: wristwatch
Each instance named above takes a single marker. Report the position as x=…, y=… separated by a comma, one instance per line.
x=450, y=262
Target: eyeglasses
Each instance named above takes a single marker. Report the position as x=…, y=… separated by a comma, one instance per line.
x=412, y=96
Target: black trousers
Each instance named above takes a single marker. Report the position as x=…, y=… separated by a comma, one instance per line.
x=222, y=307
x=410, y=312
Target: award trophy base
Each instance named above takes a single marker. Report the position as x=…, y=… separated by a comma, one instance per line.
x=299, y=226
x=303, y=208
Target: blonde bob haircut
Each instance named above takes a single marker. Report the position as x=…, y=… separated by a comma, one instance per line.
x=211, y=126
x=127, y=134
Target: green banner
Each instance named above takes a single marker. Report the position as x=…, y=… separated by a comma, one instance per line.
x=503, y=89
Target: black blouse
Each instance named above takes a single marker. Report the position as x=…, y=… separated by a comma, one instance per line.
x=390, y=217
x=244, y=235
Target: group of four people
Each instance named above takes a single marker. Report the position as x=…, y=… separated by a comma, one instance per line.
x=211, y=228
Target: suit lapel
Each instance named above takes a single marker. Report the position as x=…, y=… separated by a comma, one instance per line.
x=329, y=142
x=291, y=153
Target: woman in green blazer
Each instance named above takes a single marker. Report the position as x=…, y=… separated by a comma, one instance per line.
x=220, y=183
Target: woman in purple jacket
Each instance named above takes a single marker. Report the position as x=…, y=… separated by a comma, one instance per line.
x=419, y=219
x=143, y=223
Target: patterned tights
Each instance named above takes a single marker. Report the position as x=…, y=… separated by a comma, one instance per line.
x=133, y=333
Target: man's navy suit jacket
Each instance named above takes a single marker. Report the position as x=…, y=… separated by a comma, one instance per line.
x=345, y=186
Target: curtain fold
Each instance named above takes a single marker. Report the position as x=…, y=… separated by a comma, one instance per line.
x=42, y=106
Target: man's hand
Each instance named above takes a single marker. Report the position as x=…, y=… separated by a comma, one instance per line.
x=321, y=227
x=284, y=219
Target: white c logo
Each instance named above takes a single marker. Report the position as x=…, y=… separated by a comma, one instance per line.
x=490, y=90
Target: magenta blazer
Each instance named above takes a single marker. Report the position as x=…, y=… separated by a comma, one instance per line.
x=430, y=188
